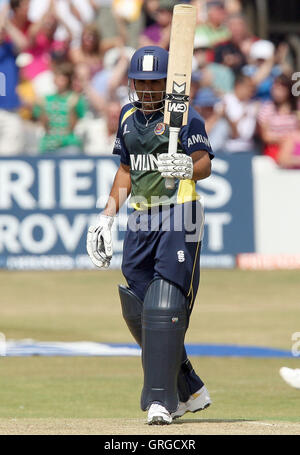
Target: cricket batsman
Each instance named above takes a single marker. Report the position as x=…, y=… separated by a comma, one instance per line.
x=161, y=253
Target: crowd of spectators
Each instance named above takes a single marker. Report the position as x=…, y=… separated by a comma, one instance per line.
x=63, y=76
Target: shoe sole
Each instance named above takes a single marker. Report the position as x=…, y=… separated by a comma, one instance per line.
x=158, y=421
x=193, y=412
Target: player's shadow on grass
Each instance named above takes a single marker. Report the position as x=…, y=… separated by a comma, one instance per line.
x=183, y=421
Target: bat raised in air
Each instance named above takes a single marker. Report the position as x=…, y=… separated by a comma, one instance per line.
x=179, y=74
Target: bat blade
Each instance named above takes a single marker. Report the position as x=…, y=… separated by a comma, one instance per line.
x=180, y=65
x=179, y=74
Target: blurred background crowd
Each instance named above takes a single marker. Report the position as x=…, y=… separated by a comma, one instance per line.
x=63, y=76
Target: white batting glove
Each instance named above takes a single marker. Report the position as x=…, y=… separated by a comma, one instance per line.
x=99, y=242
x=176, y=165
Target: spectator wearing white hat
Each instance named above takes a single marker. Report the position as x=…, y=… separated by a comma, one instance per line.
x=262, y=68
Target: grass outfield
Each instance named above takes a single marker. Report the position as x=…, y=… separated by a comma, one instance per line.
x=100, y=395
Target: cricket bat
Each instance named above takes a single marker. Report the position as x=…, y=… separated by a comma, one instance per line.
x=179, y=74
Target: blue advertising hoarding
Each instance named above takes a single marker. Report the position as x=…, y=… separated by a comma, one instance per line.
x=229, y=210
x=47, y=204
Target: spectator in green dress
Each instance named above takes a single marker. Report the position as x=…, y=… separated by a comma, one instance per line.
x=59, y=114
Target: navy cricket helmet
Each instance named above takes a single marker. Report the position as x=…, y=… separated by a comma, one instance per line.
x=149, y=62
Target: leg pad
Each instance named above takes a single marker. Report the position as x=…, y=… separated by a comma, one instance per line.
x=132, y=312
x=164, y=323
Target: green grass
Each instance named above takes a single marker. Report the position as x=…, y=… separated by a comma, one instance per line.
x=232, y=306
x=257, y=308
x=81, y=388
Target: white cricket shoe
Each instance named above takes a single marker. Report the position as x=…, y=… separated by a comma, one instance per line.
x=291, y=376
x=158, y=415
x=198, y=401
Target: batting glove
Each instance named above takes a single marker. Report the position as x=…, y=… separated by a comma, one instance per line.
x=176, y=165
x=99, y=242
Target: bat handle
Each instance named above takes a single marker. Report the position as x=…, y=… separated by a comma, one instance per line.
x=173, y=140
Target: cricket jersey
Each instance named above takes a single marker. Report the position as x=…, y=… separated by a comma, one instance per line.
x=140, y=139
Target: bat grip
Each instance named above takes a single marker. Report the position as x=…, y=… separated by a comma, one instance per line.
x=173, y=140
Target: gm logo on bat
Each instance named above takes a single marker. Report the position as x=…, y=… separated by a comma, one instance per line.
x=177, y=107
